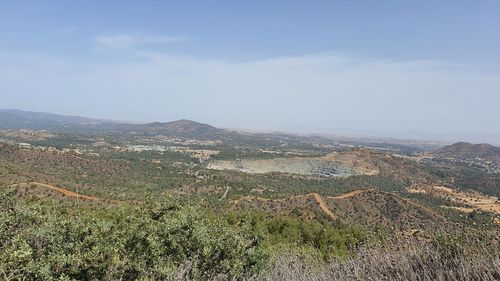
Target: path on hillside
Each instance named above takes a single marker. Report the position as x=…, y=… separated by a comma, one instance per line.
x=64, y=191
x=323, y=206
x=432, y=212
x=319, y=200
x=361, y=191
x=351, y=194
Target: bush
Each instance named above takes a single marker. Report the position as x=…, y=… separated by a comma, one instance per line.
x=152, y=242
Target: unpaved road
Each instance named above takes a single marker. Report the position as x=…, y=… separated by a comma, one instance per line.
x=323, y=205
x=352, y=194
x=64, y=191
x=319, y=200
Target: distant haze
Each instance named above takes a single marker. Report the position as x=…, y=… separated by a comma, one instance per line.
x=393, y=70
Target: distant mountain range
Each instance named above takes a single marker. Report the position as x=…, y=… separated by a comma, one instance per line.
x=18, y=119
x=12, y=119
x=464, y=150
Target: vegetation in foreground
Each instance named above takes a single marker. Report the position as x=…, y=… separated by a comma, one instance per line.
x=157, y=241
x=170, y=241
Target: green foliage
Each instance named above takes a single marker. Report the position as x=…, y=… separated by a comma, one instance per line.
x=465, y=177
x=160, y=240
x=153, y=242
x=285, y=232
x=284, y=185
x=475, y=219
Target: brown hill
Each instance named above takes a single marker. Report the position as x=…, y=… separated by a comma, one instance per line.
x=464, y=150
x=17, y=119
x=181, y=128
x=372, y=207
x=368, y=207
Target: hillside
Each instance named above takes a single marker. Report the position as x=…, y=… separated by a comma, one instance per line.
x=11, y=119
x=184, y=193
x=18, y=119
x=372, y=207
x=180, y=128
x=464, y=150
x=366, y=207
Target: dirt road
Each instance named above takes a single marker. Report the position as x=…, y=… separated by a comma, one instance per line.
x=64, y=191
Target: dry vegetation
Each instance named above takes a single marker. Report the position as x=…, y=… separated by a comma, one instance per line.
x=340, y=216
x=474, y=199
x=368, y=208
x=415, y=262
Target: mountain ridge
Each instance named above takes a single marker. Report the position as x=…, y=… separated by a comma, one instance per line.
x=13, y=119
x=465, y=150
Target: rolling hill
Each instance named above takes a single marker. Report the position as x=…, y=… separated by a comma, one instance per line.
x=12, y=119
x=17, y=119
x=180, y=128
x=365, y=207
x=464, y=150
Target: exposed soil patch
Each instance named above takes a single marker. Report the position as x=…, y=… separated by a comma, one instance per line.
x=334, y=164
x=351, y=194
x=60, y=190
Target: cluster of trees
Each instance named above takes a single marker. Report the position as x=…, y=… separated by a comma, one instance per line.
x=465, y=177
x=284, y=185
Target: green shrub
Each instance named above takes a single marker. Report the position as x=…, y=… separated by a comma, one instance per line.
x=153, y=242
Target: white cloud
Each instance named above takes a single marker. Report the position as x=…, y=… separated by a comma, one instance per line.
x=129, y=40
x=321, y=93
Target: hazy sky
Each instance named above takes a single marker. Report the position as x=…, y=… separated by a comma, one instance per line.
x=313, y=66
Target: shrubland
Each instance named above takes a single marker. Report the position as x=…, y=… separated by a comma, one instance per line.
x=163, y=240
x=169, y=239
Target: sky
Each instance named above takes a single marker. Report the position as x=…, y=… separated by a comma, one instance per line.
x=422, y=68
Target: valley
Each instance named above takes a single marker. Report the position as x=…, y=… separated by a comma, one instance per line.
x=319, y=195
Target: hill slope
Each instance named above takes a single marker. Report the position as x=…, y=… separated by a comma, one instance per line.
x=18, y=119
x=366, y=207
x=180, y=128
x=464, y=150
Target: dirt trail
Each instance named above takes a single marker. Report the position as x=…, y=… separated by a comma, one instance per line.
x=361, y=191
x=324, y=207
x=72, y=194
x=66, y=192
x=351, y=194
x=419, y=206
x=321, y=203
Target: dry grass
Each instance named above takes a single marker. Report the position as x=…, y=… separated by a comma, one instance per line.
x=474, y=199
x=418, y=262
